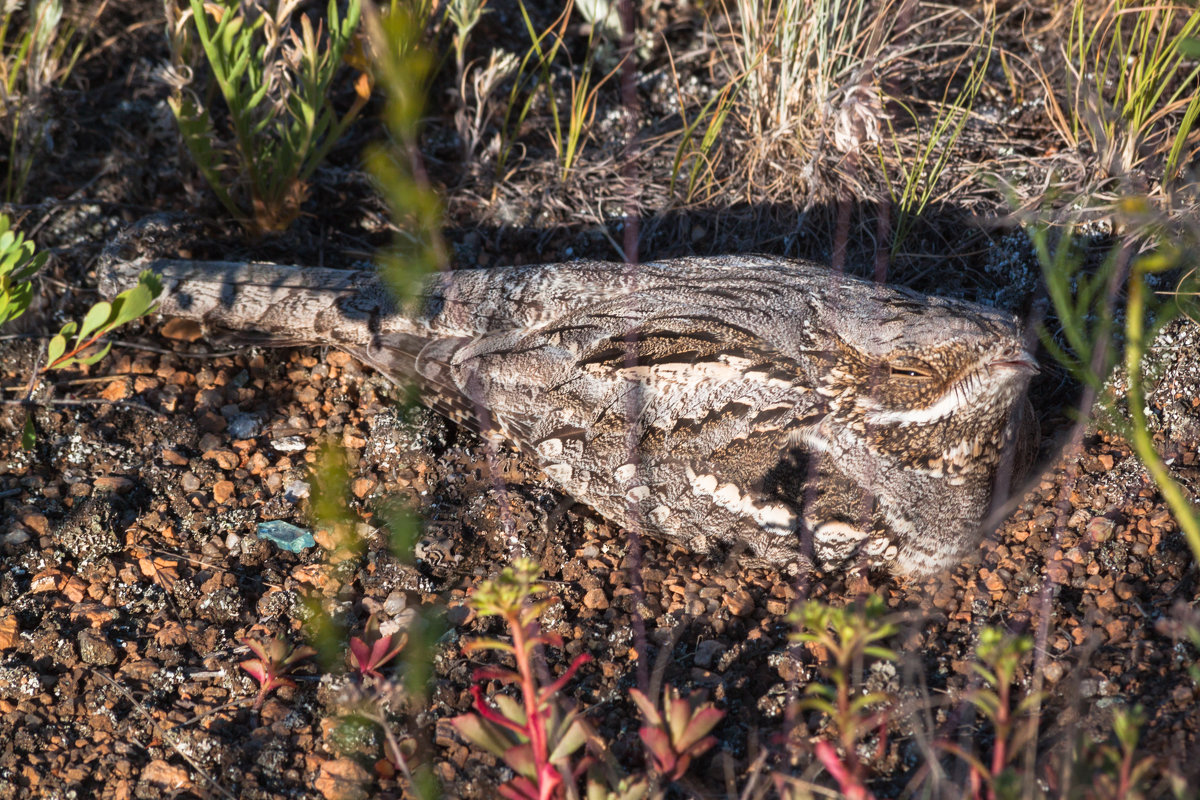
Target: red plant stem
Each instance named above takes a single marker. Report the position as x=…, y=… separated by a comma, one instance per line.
x=1125, y=783
x=999, y=751
x=883, y=717
x=75, y=352
x=534, y=723
x=846, y=729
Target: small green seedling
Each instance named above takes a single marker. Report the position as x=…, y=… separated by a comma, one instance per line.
x=18, y=263
x=101, y=319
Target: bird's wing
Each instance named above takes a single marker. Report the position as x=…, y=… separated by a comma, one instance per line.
x=671, y=416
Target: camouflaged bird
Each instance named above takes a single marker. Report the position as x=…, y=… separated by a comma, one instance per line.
x=733, y=402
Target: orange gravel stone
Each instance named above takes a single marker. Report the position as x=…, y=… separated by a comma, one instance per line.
x=223, y=491
x=166, y=778
x=10, y=631
x=225, y=459
x=117, y=390
x=342, y=779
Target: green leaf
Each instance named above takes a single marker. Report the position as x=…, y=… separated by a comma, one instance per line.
x=16, y=302
x=32, y=266
x=258, y=96
x=28, y=434
x=152, y=280
x=511, y=708
x=1157, y=262
x=575, y=738
x=481, y=733
x=816, y=704
x=54, y=351
x=137, y=301
x=101, y=353
x=485, y=643
x=1190, y=48
x=1127, y=726
x=10, y=256
x=96, y=316
x=520, y=758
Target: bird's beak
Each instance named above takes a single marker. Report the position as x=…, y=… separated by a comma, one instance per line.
x=1020, y=361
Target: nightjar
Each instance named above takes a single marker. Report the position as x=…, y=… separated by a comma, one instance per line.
x=743, y=403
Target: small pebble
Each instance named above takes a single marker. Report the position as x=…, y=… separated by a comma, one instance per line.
x=296, y=491
x=395, y=603
x=289, y=444
x=595, y=599
x=15, y=537
x=245, y=426
x=96, y=649
x=223, y=492
x=1101, y=529
x=740, y=603
x=707, y=652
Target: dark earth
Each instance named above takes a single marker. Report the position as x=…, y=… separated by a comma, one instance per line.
x=132, y=570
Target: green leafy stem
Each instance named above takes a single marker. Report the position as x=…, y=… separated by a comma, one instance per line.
x=101, y=319
x=18, y=264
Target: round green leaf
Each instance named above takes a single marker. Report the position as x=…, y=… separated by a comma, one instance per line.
x=57, y=346
x=96, y=316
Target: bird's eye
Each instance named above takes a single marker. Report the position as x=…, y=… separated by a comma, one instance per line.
x=910, y=369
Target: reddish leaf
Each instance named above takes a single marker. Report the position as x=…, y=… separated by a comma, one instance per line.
x=299, y=654
x=256, y=668
x=495, y=674
x=659, y=745
x=358, y=649
x=678, y=712
x=490, y=714
x=649, y=712
x=520, y=758
x=703, y=721
x=369, y=658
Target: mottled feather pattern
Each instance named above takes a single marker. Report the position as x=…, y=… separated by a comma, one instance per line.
x=742, y=403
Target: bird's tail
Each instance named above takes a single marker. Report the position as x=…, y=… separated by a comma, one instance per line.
x=272, y=304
